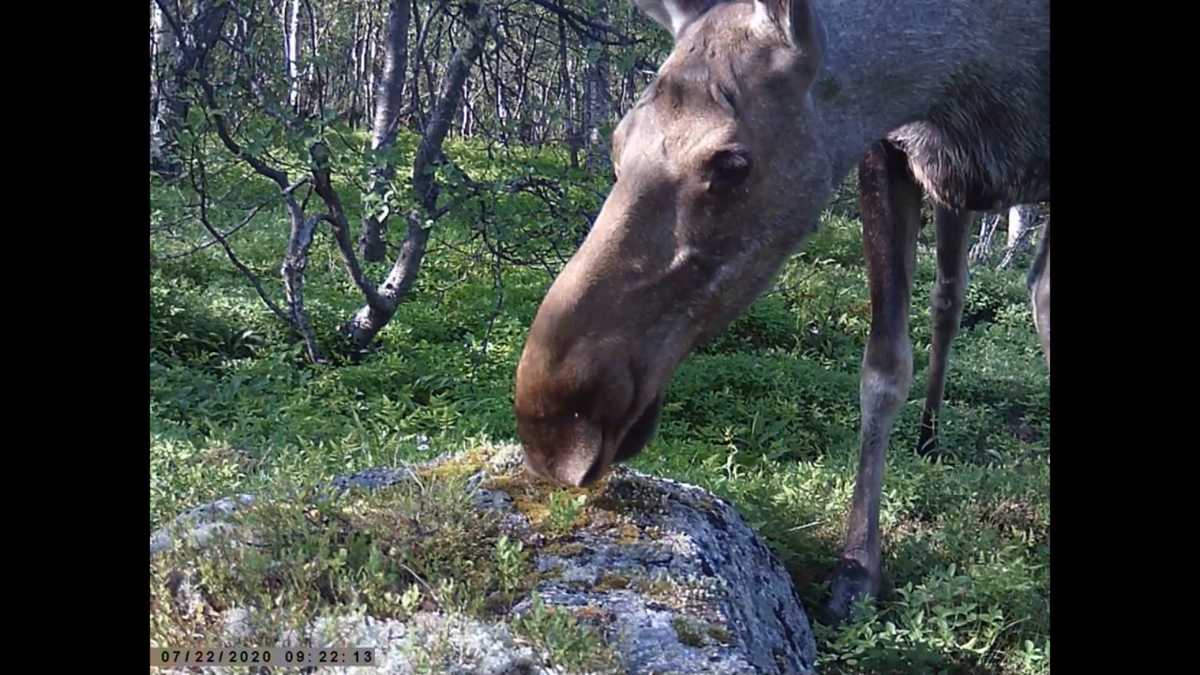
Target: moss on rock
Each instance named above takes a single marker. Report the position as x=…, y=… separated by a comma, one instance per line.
x=627, y=575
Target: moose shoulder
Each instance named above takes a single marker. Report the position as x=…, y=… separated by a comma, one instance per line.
x=723, y=168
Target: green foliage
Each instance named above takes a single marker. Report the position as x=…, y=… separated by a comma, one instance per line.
x=510, y=560
x=944, y=625
x=569, y=644
x=384, y=553
x=564, y=509
x=766, y=414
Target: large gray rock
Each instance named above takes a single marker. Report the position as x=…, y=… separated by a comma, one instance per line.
x=671, y=575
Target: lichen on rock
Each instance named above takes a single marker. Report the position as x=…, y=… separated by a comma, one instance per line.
x=664, y=577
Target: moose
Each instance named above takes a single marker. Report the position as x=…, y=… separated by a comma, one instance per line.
x=723, y=168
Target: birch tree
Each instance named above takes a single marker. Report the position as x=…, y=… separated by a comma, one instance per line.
x=597, y=110
x=388, y=98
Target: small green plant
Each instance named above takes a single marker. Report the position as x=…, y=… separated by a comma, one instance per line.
x=566, y=643
x=409, y=599
x=510, y=560
x=564, y=509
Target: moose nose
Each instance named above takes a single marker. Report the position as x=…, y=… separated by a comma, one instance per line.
x=568, y=450
x=571, y=474
x=573, y=450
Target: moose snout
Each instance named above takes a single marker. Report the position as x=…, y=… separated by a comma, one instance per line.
x=574, y=450
x=582, y=408
x=600, y=350
x=568, y=451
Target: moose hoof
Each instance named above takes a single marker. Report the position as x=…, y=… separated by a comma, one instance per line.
x=852, y=583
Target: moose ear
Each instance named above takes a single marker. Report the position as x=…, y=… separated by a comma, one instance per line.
x=674, y=15
x=799, y=23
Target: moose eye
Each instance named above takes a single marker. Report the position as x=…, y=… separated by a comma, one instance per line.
x=723, y=97
x=728, y=169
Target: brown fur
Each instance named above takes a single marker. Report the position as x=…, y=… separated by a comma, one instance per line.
x=723, y=168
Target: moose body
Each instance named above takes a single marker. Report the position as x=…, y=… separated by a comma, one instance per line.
x=723, y=168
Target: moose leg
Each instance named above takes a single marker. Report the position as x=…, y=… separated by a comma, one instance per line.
x=1038, y=283
x=946, y=309
x=891, y=216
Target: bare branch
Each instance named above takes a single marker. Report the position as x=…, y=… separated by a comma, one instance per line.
x=599, y=32
x=295, y=186
x=294, y=264
x=337, y=219
x=498, y=287
x=173, y=20
x=216, y=235
x=224, y=237
x=218, y=118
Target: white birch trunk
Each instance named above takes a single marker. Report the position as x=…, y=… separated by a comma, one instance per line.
x=291, y=49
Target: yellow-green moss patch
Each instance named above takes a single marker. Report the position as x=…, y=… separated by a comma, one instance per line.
x=720, y=633
x=611, y=581
x=678, y=595
x=448, y=469
x=695, y=633
x=564, y=548
x=628, y=533
x=689, y=634
x=593, y=615
x=532, y=497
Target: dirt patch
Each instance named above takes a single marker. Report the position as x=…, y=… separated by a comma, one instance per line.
x=1014, y=422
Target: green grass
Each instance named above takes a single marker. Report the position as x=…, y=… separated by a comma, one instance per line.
x=765, y=415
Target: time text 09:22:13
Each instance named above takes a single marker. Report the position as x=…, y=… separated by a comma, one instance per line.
x=278, y=656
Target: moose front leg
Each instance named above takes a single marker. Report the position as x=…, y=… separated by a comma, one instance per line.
x=946, y=307
x=1039, y=293
x=891, y=216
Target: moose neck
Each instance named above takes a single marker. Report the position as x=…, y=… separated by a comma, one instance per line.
x=885, y=65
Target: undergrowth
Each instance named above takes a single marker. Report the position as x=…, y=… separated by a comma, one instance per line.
x=766, y=414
